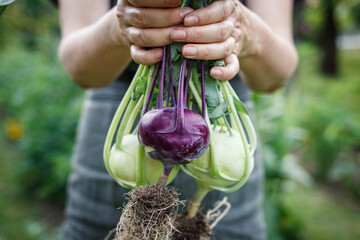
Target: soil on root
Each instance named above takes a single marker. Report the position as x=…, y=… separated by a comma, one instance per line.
x=148, y=214
x=197, y=228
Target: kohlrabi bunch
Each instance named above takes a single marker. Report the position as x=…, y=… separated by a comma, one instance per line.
x=175, y=115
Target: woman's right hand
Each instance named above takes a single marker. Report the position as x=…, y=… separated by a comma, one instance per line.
x=148, y=23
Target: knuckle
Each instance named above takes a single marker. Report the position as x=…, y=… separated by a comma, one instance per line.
x=193, y=34
x=223, y=8
x=142, y=18
x=205, y=53
x=228, y=47
x=226, y=30
x=138, y=37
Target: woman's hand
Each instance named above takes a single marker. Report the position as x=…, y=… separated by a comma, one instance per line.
x=220, y=30
x=145, y=23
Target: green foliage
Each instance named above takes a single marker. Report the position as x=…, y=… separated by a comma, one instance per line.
x=279, y=138
x=331, y=118
x=37, y=93
x=314, y=122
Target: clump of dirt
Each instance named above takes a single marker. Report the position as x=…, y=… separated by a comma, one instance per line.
x=149, y=214
x=196, y=228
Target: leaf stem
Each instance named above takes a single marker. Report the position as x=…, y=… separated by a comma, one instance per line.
x=160, y=101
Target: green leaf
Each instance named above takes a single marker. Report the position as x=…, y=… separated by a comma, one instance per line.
x=240, y=107
x=184, y=2
x=176, y=51
x=212, y=95
x=219, y=110
x=175, y=71
x=141, y=84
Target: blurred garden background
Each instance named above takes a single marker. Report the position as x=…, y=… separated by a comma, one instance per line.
x=310, y=130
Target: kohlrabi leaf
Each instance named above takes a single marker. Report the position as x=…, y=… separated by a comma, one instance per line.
x=240, y=107
x=219, y=110
x=141, y=85
x=176, y=51
x=184, y=2
x=175, y=71
x=213, y=96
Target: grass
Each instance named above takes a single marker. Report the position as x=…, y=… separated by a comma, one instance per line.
x=326, y=214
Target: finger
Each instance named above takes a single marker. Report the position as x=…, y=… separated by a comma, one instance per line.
x=147, y=57
x=229, y=71
x=150, y=37
x=209, y=51
x=155, y=3
x=216, y=12
x=217, y=32
x=154, y=17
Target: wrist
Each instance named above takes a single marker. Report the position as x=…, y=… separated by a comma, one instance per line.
x=118, y=36
x=252, y=33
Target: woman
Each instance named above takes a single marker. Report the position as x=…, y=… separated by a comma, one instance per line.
x=98, y=43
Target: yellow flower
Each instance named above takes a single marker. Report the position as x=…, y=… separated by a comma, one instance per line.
x=14, y=130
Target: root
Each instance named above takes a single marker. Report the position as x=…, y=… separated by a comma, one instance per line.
x=200, y=227
x=215, y=215
x=196, y=228
x=149, y=214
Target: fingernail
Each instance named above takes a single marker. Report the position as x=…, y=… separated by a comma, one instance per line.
x=185, y=11
x=190, y=52
x=191, y=20
x=178, y=35
x=215, y=73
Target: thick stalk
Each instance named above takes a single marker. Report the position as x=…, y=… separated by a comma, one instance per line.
x=247, y=122
x=141, y=178
x=125, y=119
x=203, y=89
x=133, y=115
x=180, y=104
x=116, y=119
x=187, y=82
x=195, y=201
x=243, y=139
x=160, y=100
x=151, y=89
x=165, y=175
x=124, y=122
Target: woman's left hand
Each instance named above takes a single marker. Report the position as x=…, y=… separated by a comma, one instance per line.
x=220, y=30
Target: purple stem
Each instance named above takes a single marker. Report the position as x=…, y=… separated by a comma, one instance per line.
x=173, y=93
x=166, y=170
x=170, y=83
x=187, y=82
x=180, y=103
x=151, y=89
x=203, y=88
x=161, y=83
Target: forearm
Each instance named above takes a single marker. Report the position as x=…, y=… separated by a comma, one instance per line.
x=93, y=56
